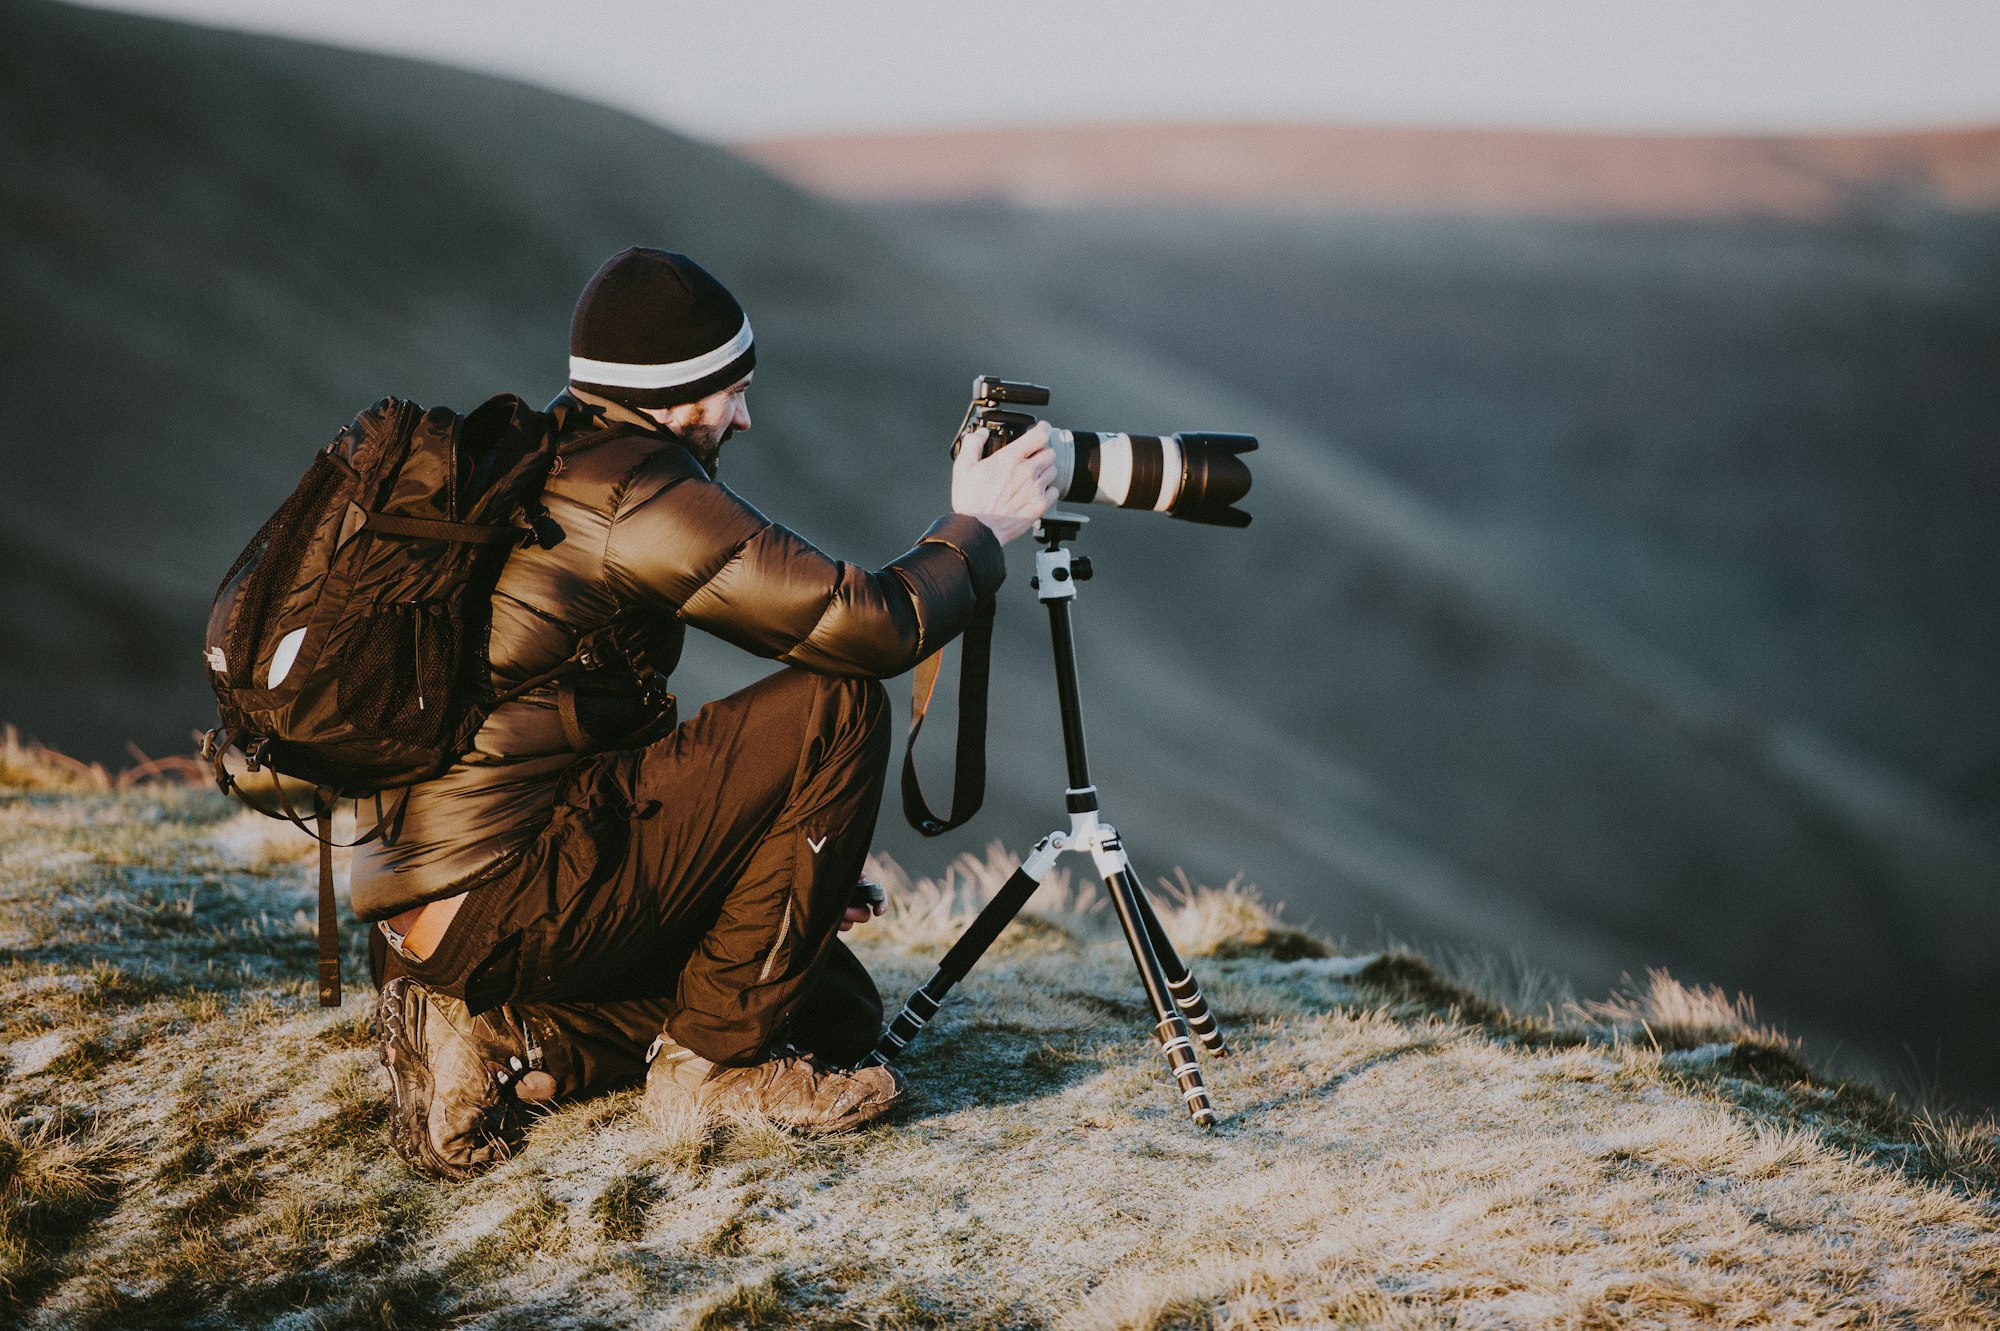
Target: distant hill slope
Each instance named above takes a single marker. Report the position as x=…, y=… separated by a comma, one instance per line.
x=217, y=247
x=1766, y=447
x=188, y=1143
x=1401, y=170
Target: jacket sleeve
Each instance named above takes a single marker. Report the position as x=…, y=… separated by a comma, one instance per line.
x=694, y=548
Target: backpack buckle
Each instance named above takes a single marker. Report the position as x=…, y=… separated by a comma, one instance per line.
x=544, y=530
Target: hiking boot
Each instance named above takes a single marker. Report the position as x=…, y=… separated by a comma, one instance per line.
x=458, y=1084
x=793, y=1090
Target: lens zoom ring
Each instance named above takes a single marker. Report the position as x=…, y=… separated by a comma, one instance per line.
x=1148, y=470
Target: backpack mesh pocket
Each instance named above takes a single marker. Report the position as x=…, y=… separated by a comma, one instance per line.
x=397, y=675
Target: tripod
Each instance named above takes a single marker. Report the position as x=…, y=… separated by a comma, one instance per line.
x=1177, y=1002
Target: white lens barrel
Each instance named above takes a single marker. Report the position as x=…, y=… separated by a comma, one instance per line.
x=1064, y=444
x=1114, y=468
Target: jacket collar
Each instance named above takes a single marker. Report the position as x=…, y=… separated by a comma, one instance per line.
x=610, y=412
x=579, y=410
x=576, y=411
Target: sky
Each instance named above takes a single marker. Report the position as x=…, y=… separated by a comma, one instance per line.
x=780, y=67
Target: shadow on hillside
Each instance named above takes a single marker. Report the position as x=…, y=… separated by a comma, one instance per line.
x=998, y=1064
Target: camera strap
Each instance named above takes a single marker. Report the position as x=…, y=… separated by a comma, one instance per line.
x=968, y=779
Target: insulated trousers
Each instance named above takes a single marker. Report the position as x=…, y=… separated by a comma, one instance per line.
x=694, y=884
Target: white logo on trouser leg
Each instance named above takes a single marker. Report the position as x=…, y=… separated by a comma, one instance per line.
x=816, y=844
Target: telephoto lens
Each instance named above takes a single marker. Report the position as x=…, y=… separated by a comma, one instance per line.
x=1197, y=477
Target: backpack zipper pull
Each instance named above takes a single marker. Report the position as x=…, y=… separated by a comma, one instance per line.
x=417, y=639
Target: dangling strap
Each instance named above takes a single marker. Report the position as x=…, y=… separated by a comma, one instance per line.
x=329, y=919
x=968, y=780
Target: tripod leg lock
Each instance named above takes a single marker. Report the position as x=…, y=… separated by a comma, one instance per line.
x=1187, y=997
x=1107, y=851
x=916, y=1014
x=1177, y=1045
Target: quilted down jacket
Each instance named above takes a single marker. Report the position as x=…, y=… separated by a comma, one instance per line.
x=651, y=541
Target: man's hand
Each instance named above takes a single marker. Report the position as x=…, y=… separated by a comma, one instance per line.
x=1010, y=490
x=869, y=901
x=858, y=915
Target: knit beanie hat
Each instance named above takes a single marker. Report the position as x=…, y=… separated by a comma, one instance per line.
x=654, y=329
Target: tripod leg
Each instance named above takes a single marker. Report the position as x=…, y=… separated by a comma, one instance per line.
x=1172, y=1029
x=971, y=945
x=1180, y=980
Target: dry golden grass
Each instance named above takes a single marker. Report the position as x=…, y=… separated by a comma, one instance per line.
x=186, y=1141
x=1231, y=921
x=931, y=912
x=1671, y=1015
x=27, y=765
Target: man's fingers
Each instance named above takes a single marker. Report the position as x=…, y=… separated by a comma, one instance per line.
x=1027, y=443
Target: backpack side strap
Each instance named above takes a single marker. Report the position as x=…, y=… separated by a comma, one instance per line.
x=435, y=529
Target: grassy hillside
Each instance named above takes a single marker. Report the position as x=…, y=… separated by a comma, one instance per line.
x=185, y=1141
x=217, y=247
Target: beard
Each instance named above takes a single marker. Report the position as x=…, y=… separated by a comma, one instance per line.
x=706, y=445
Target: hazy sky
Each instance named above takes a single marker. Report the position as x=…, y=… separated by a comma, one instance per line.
x=796, y=66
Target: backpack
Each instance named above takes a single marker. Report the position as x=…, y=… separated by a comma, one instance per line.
x=347, y=643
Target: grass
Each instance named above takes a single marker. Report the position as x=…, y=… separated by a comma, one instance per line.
x=187, y=1141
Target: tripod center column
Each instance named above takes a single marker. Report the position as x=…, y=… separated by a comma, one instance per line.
x=1055, y=583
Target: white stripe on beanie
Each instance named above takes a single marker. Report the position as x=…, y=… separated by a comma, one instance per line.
x=617, y=374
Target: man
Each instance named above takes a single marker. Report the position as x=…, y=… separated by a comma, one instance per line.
x=595, y=889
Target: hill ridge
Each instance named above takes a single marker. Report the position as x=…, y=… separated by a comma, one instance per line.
x=1399, y=169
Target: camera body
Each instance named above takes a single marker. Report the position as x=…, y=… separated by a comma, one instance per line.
x=1197, y=477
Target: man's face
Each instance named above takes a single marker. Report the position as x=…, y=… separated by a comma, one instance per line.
x=705, y=425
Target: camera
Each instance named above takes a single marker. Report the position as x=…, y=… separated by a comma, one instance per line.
x=1196, y=477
